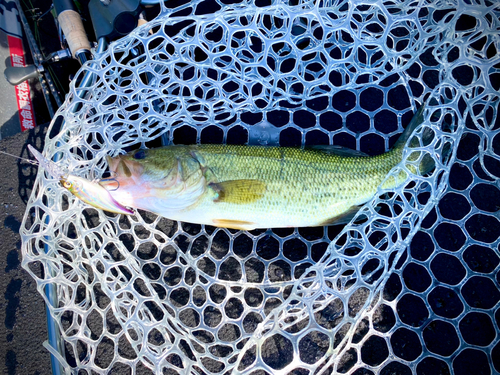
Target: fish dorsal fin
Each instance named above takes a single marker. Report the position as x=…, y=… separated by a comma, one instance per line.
x=239, y=191
x=337, y=150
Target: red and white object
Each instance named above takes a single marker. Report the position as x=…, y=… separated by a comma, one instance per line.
x=23, y=92
x=10, y=25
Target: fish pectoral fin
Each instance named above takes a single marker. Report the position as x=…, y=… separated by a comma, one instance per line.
x=239, y=191
x=234, y=224
x=343, y=218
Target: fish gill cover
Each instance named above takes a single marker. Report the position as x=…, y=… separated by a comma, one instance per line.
x=408, y=287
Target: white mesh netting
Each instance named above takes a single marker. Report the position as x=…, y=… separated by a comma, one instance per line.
x=410, y=287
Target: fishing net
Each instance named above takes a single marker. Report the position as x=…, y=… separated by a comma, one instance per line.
x=409, y=286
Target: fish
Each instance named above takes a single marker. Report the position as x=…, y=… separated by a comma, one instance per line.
x=250, y=187
x=87, y=191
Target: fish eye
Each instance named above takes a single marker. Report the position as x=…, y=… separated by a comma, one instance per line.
x=67, y=184
x=141, y=154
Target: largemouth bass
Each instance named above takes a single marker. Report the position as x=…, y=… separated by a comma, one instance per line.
x=249, y=187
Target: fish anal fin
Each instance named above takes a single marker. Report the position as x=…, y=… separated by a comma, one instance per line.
x=343, y=218
x=234, y=224
x=239, y=191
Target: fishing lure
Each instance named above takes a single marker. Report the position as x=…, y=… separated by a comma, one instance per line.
x=87, y=191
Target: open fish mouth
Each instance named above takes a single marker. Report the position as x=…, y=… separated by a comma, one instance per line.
x=118, y=166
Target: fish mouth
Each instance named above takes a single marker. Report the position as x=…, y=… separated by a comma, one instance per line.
x=123, y=167
x=112, y=162
x=118, y=166
x=125, y=174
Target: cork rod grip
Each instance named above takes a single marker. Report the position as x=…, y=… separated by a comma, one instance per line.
x=72, y=27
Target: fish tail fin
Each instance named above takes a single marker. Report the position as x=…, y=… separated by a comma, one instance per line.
x=427, y=162
x=417, y=119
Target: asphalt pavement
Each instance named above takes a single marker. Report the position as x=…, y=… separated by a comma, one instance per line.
x=23, y=327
